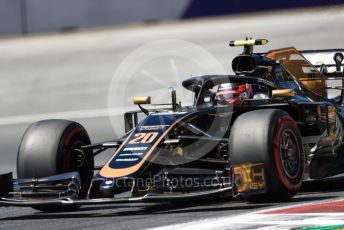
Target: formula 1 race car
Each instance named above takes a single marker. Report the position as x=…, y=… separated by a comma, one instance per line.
x=257, y=134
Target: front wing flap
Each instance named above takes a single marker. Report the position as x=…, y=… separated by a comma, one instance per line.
x=149, y=198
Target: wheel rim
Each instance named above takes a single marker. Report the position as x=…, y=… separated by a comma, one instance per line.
x=290, y=154
x=77, y=156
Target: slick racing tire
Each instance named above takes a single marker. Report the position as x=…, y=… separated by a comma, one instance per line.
x=271, y=137
x=52, y=147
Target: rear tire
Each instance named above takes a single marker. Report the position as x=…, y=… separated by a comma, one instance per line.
x=49, y=148
x=270, y=136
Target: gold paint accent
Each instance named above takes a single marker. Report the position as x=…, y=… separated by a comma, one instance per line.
x=248, y=177
x=282, y=93
x=292, y=60
x=174, y=99
x=142, y=100
x=104, y=172
x=109, y=172
x=144, y=138
x=332, y=115
x=179, y=150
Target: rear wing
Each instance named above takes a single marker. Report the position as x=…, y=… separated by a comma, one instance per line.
x=324, y=61
x=315, y=69
x=330, y=63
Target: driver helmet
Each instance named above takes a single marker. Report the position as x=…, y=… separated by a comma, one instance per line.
x=234, y=93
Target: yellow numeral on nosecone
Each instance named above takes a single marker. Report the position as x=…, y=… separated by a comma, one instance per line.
x=144, y=138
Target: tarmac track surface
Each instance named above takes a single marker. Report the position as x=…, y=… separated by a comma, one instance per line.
x=68, y=76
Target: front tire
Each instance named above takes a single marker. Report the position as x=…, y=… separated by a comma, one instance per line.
x=271, y=137
x=50, y=147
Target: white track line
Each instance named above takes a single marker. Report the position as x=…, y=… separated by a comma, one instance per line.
x=254, y=220
x=77, y=114
x=266, y=221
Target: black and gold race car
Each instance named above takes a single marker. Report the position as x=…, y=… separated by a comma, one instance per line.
x=258, y=134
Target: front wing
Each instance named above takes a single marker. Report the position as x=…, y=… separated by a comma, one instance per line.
x=62, y=191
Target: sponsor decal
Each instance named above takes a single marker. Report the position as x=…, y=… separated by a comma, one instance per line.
x=248, y=177
x=135, y=149
x=130, y=154
x=151, y=128
x=127, y=159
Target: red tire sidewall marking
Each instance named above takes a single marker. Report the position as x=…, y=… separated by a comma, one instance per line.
x=287, y=184
x=66, y=158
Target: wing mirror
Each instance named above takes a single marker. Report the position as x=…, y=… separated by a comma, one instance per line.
x=142, y=100
x=283, y=93
x=338, y=58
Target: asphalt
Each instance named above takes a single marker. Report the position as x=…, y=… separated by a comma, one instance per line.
x=70, y=75
x=150, y=216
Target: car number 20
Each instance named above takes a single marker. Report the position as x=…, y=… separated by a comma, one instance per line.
x=144, y=138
